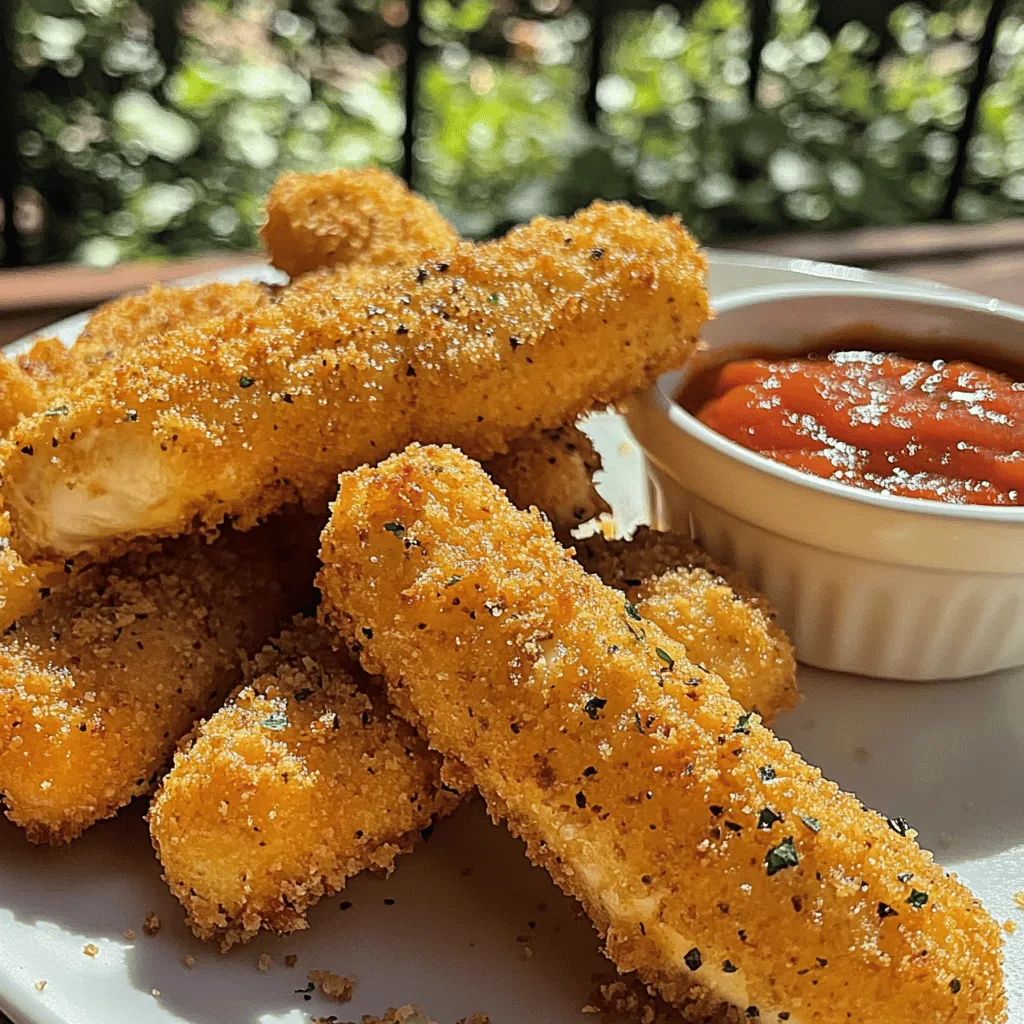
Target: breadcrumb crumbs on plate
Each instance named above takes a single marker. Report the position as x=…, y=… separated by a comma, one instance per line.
x=627, y=1000
x=1018, y=898
x=90, y=949
x=152, y=924
x=129, y=934
x=265, y=962
x=410, y=1014
x=1009, y=927
x=40, y=985
x=333, y=986
x=291, y=960
x=188, y=961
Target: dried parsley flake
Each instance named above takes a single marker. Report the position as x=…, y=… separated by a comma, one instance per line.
x=782, y=856
x=276, y=720
x=743, y=723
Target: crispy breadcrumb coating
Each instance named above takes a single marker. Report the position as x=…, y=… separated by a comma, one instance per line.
x=302, y=780
x=713, y=860
x=554, y=471
x=118, y=326
x=44, y=364
x=97, y=685
x=249, y=412
x=721, y=620
x=349, y=216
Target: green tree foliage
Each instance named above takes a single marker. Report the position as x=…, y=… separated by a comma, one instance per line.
x=854, y=122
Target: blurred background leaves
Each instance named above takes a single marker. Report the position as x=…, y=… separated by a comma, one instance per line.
x=156, y=128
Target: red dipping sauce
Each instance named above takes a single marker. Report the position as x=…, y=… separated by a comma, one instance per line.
x=946, y=431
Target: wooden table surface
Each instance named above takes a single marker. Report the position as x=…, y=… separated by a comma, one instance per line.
x=985, y=258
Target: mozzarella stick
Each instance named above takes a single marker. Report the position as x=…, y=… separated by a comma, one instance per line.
x=99, y=683
x=349, y=216
x=714, y=861
x=721, y=620
x=302, y=780
x=316, y=221
x=236, y=417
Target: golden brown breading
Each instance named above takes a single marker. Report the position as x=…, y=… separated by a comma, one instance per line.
x=46, y=362
x=349, y=216
x=553, y=471
x=247, y=413
x=302, y=780
x=118, y=326
x=714, y=861
x=99, y=683
x=721, y=620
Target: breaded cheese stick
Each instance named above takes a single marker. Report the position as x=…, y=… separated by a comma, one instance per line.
x=713, y=860
x=349, y=216
x=721, y=620
x=554, y=471
x=316, y=221
x=35, y=382
x=100, y=682
x=244, y=414
x=302, y=780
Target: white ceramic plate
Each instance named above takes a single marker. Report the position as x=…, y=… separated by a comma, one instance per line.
x=949, y=757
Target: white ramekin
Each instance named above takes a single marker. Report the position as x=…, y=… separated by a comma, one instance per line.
x=867, y=583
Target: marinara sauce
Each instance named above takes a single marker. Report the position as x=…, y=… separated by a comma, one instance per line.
x=943, y=430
